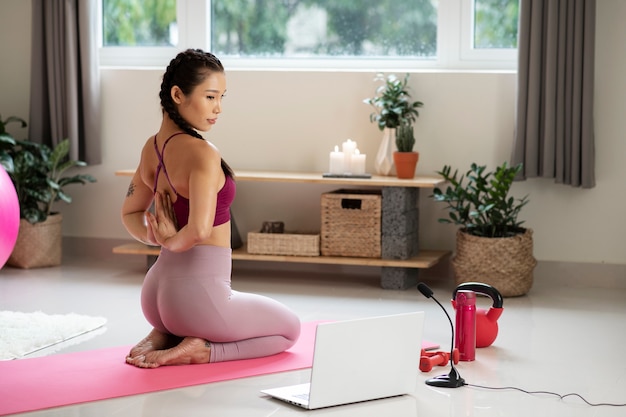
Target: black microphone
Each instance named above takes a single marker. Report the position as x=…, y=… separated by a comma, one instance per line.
x=453, y=379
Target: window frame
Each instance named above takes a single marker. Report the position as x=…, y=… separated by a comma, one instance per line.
x=454, y=47
x=490, y=58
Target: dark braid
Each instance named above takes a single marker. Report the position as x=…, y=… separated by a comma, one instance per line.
x=189, y=69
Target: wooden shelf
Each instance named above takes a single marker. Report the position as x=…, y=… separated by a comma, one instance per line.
x=425, y=259
x=136, y=248
x=317, y=178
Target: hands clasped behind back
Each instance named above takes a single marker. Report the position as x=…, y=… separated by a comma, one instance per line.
x=162, y=224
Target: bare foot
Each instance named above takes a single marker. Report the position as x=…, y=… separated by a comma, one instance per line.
x=154, y=341
x=191, y=350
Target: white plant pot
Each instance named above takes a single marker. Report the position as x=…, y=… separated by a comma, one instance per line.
x=383, y=164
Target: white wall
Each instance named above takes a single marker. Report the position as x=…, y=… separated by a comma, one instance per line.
x=280, y=120
x=15, y=55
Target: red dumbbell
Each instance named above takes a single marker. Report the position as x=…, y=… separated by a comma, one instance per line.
x=430, y=359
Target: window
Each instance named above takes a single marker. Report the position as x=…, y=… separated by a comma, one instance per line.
x=495, y=24
x=489, y=33
x=296, y=33
x=139, y=23
x=324, y=28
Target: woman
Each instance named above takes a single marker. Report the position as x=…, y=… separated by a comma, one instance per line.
x=186, y=296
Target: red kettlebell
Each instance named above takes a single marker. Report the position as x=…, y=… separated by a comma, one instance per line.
x=486, y=320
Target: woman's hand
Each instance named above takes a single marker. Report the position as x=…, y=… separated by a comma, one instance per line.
x=161, y=225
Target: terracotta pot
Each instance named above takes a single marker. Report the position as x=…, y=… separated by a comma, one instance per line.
x=405, y=162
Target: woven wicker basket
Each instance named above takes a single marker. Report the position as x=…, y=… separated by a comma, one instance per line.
x=351, y=223
x=299, y=244
x=504, y=263
x=38, y=245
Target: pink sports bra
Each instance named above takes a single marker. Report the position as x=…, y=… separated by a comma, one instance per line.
x=225, y=196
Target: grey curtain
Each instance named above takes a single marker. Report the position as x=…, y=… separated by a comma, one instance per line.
x=65, y=78
x=554, y=135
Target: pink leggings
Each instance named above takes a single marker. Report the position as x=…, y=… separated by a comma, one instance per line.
x=189, y=294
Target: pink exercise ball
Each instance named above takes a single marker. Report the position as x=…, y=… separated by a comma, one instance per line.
x=9, y=216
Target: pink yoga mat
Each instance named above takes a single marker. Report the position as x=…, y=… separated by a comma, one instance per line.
x=59, y=380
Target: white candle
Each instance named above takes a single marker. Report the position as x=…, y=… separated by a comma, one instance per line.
x=348, y=150
x=336, y=161
x=357, y=163
x=349, y=146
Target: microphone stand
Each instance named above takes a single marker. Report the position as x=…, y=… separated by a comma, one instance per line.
x=452, y=379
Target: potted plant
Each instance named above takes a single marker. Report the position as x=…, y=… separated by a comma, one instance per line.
x=405, y=157
x=38, y=174
x=491, y=246
x=393, y=107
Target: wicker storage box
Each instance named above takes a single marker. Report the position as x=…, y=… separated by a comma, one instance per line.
x=295, y=244
x=351, y=223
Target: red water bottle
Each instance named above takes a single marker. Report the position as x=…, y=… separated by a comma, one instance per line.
x=465, y=337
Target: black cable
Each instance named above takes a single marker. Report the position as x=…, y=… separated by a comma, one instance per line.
x=561, y=397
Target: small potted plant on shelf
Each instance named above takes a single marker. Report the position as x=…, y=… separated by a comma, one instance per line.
x=393, y=107
x=491, y=246
x=38, y=174
x=405, y=157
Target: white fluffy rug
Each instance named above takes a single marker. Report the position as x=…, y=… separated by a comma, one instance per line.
x=23, y=334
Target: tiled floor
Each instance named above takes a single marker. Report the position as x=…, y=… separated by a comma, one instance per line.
x=565, y=336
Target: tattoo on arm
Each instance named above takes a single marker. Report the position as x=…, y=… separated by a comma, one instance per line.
x=131, y=189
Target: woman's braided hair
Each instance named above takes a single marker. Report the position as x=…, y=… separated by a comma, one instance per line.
x=187, y=70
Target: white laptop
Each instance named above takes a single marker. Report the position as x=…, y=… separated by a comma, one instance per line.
x=360, y=360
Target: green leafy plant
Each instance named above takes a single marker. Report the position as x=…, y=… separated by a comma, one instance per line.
x=392, y=103
x=479, y=201
x=7, y=142
x=38, y=173
x=405, y=140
